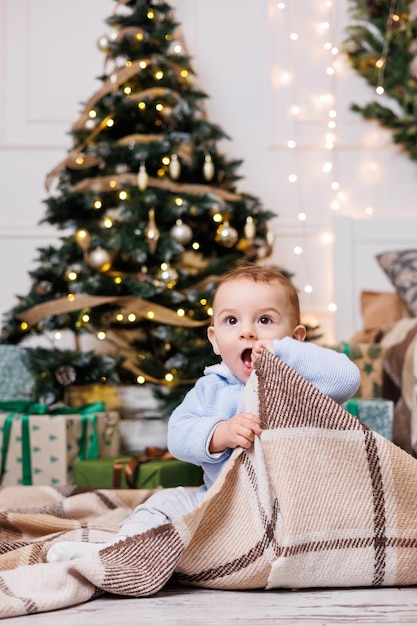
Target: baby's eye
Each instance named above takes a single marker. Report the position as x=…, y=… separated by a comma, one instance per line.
x=231, y=320
x=265, y=319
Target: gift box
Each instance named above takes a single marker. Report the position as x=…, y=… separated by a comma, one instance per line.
x=16, y=380
x=138, y=434
x=39, y=446
x=378, y=414
x=138, y=472
x=369, y=357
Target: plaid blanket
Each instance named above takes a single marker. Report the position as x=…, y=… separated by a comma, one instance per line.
x=318, y=501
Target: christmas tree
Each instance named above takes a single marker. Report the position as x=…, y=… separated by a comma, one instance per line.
x=152, y=219
x=381, y=46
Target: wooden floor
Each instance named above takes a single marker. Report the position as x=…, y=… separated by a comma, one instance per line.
x=184, y=606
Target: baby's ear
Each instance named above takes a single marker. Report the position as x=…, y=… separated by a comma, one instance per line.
x=212, y=339
x=300, y=333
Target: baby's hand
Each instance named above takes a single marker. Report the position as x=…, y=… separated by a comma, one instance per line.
x=240, y=430
x=259, y=347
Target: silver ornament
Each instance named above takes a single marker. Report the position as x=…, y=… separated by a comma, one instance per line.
x=180, y=232
x=99, y=258
x=227, y=235
x=168, y=275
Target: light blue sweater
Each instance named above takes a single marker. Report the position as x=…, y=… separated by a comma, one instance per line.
x=217, y=396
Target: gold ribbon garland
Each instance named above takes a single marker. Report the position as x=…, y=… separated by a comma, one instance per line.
x=132, y=304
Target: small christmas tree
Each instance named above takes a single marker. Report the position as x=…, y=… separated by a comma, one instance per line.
x=155, y=220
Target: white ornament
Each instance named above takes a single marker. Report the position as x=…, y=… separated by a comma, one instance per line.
x=174, y=167
x=208, y=167
x=143, y=178
x=250, y=228
x=180, y=232
x=99, y=258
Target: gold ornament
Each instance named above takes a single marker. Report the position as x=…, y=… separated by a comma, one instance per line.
x=152, y=232
x=168, y=275
x=226, y=235
x=182, y=233
x=103, y=44
x=82, y=237
x=143, y=177
x=174, y=167
x=208, y=167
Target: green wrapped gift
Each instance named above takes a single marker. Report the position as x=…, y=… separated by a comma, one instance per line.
x=378, y=414
x=138, y=472
x=369, y=357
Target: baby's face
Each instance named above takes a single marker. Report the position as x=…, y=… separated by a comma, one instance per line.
x=245, y=312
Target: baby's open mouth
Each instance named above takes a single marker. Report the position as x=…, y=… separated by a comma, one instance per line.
x=246, y=357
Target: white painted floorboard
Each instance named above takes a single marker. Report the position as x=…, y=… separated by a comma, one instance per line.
x=183, y=606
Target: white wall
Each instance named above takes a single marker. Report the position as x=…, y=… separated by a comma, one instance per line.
x=253, y=72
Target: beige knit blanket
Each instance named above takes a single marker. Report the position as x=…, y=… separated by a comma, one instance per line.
x=319, y=501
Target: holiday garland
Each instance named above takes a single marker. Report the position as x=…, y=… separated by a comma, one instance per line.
x=381, y=45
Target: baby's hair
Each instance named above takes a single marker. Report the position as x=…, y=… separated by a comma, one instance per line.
x=265, y=275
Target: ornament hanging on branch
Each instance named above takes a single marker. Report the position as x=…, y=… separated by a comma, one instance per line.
x=250, y=229
x=181, y=233
x=82, y=237
x=227, y=235
x=208, y=167
x=152, y=232
x=143, y=177
x=99, y=259
x=174, y=167
x=168, y=275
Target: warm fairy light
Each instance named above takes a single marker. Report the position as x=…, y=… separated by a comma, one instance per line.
x=369, y=210
x=123, y=195
x=332, y=307
x=141, y=380
x=335, y=185
x=179, y=201
x=150, y=14
x=159, y=107
x=293, y=36
x=327, y=167
x=113, y=184
x=79, y=160
x=180, y=312
x=295, y=109
x=85, y=318
x=218, y=218
x=195, y=245
x=127, y=90
x=184, y=73
x=97, y=205
x=177, y=48
x=166, y=160
x=141, y=105
x=169, y=377
x=150, y=315
x=302, y=217
x=24, y=326
x=326, y=238
x=120, y=317
x=143, y=65
x=101, y=335
x=118, y=280
x=291, y=144
x=203, y=301
x=131, y=317
x=72, y=275
x=92, y=113
x=107, y=222
x=281, y=5
x=308, y=289
x=210, y=311
x=158, y=75
x=110, y=123
x=380, y=63
x=380, y=90
x=57, y=336
x=139, y=36
x=298, y=250
x=292, y=178
x=70, y=297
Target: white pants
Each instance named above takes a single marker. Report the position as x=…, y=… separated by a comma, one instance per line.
x=162, y=507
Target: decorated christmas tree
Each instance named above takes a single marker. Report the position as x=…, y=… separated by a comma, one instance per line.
x=381, y=46
x=151, y=218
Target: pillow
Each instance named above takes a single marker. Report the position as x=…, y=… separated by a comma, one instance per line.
x=401, y=268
